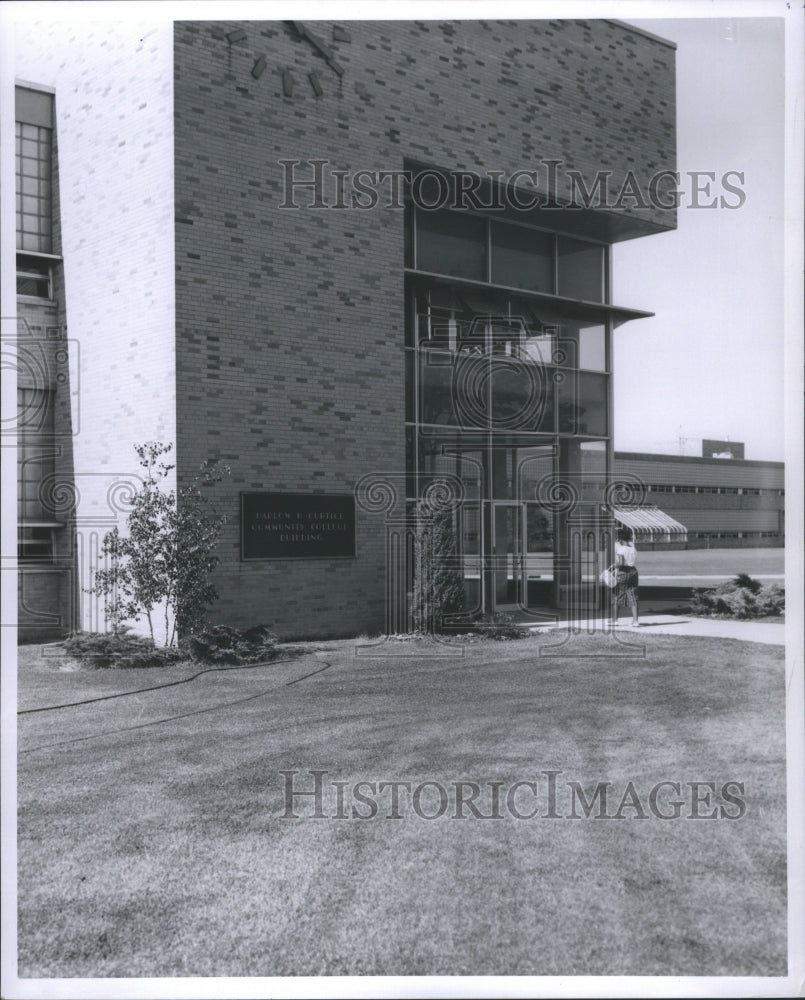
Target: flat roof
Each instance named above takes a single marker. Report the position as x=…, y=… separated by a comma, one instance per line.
x=693, y=459
x=640, y=31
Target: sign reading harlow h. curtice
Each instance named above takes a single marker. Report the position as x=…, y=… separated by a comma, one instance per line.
x=297, y=526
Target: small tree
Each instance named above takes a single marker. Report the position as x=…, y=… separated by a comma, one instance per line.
x=438, y=581
x=165, y=560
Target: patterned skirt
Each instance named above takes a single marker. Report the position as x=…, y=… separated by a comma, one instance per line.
x=626, y=588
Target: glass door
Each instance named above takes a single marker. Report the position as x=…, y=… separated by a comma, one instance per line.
x=506, y=562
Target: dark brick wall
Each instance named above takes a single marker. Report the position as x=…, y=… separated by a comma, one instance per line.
x=289, y=334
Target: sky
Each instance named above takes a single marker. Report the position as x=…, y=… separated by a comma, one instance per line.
x=709, y=364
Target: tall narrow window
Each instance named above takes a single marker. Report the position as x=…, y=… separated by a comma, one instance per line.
x=34, y=189
x=35, y=451
x=35, y=466
x=34, y=226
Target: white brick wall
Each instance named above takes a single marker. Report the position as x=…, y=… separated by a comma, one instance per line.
x=114, y=125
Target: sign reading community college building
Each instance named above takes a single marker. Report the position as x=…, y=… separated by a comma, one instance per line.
x=297, y=526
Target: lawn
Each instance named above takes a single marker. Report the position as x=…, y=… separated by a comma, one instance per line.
x=712, y=562
x=152, y=840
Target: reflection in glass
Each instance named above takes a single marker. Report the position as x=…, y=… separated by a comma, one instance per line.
x=592, y=348
x=451, y=243
x=581, y=270
x=583, y=403
x=522, y=258
x=435, y=387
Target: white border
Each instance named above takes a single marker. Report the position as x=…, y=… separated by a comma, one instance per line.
x=497, y=986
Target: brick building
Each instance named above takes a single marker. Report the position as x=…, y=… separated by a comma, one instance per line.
x=359, y=263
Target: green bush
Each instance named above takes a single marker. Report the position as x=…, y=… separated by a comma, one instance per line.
x=742, y=597
x=119, y=650
x=221, y=644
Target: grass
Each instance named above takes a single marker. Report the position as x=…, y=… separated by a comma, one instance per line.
x=151, y=841
x=721, y=562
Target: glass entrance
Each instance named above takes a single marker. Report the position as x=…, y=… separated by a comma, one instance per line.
x=506, y=558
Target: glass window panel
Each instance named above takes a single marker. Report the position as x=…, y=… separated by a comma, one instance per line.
x=410, y=364
x=522, y=396
x=501, y=467
x=592, y=348
x=30, y=204
x=30, y=223
x=583, y=465
x=35, y=543
x=583, y=346
x=451, y=243
x=534, y=466
x=435, y=387
x=593, y=456
x=539, y=539
x=439, y=330
x=30, y=131
x=409, y=235
x=30, y=185
x=30, y=147
x=470, y=470
x=539, y=347
x=38, y=287
x=511, y=397
x=583, y=403
x=471, y=550
x=522, y=257
x=581, y=270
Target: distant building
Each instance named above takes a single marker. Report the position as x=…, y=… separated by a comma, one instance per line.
x=722, y=449
x=721, y=504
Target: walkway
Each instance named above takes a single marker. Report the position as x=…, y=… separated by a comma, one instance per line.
x=765, y=632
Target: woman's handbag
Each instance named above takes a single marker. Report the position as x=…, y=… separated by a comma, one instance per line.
x=609, y=577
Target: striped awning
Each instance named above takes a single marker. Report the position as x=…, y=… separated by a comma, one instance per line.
x=652, y=524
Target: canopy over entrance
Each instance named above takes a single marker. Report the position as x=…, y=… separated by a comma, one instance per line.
x=652, y=524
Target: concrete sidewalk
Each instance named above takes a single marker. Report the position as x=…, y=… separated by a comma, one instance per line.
x=765, y=632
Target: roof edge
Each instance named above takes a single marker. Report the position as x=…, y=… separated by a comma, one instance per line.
x=694, y=459
x=643, y=32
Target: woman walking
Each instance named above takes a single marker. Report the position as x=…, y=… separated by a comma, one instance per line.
x=625, y=590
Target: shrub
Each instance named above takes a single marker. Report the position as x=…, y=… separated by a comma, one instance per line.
x=119, y=650
x=438, y=582
x=221, y=644
x=500, y=626
x=742, y=597
x=164, y=561
x=771, y=600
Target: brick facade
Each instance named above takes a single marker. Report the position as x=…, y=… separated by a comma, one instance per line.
x=290, y=323
x=269, y=339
